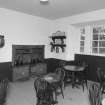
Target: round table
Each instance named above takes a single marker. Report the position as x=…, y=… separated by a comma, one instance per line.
x=73, y=69
x=53, y=79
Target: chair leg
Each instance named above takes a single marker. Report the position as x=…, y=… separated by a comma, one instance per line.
x=62, y=92
x=55, y=95
x=86, y=83
x=83, y=86
x=103, y=90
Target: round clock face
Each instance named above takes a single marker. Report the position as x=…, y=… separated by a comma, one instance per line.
x=2, y=41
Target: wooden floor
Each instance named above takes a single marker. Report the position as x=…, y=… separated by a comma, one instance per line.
x=23, y=93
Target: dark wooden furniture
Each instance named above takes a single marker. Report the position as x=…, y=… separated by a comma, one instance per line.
x=21, y=72
x=61, y=73
x=93, y=63
x=82, y=76
x=25, y=58
x=101, y=78
x=6, y=71
x=26, y=54
x=56, y=80
x=38, y=69
x=94, y=94
x=3, y=91
x=44, y=93
x=52, y=78
x=73, y=69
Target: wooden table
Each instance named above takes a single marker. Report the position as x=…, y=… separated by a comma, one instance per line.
x=53, y=79
x=73, y=69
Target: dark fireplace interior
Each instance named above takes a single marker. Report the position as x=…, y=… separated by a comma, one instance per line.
x=27, y=54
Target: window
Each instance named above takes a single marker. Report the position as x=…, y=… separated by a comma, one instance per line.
x=98, y=40
x=82, y=39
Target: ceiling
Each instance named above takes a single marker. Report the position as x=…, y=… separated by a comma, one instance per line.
x=55, y=9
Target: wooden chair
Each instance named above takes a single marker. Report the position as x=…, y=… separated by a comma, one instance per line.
x=61, y=74
x=94, y=94
x=82, y=76
x=101, y=79
x=44, y=92
x=3, y=91
x=85, y=73
x=62, y=63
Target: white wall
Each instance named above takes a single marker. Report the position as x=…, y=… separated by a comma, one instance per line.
x=71, y=25
x=55, y=28
x=19, y=28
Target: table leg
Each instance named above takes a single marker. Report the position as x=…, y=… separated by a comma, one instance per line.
x=55, y=97
x=73, y=79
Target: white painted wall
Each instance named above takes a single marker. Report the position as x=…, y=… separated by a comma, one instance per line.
x=19, y=28
x=73, y=42
x=55, y=28
x=70, y=25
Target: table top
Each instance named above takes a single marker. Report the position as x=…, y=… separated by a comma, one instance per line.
x=103, y=101
x=52, y=78
x=74, y=68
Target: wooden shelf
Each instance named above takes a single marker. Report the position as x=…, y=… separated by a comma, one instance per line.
x=60, y=45
x=58, y=37
x=58, y=41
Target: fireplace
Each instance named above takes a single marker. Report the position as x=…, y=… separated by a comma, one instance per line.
x=27, y=60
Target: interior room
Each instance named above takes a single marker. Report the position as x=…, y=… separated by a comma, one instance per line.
x=37, y=37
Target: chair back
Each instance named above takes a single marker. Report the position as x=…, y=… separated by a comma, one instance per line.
x=95, y=94
x=43, y=92
x=100, y=75
x=85, y=65
x=61, y=73
x=3, y=91
x=40, y=84
x=62, y=63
